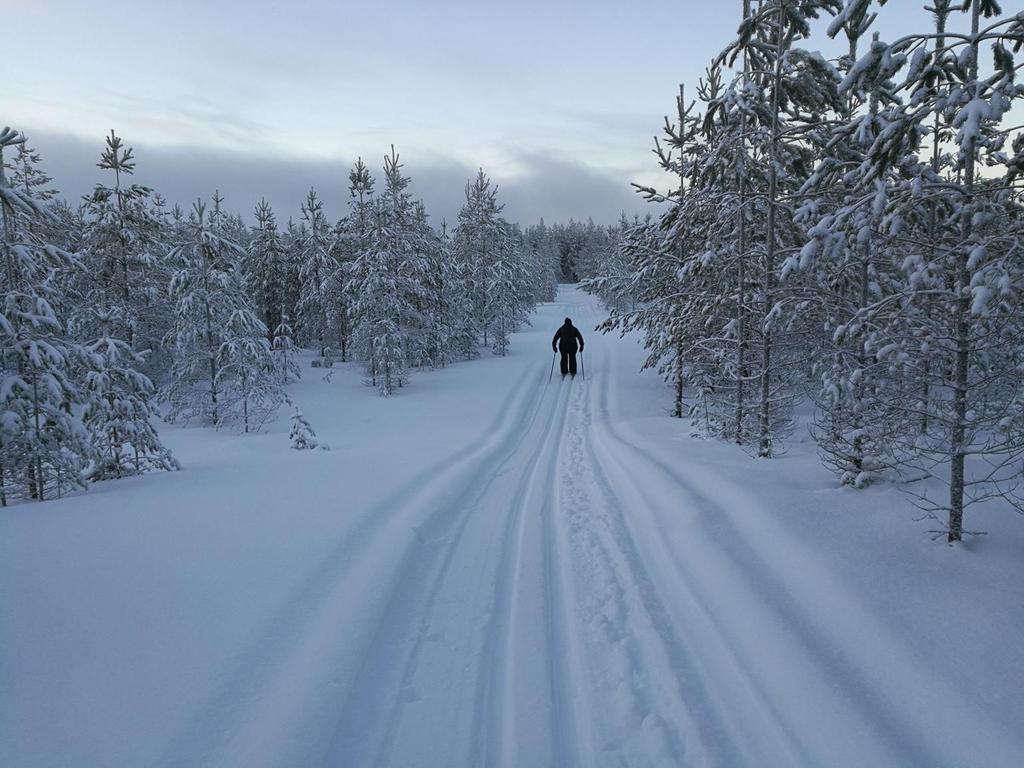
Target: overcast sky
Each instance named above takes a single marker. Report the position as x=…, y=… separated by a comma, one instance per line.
x=556, y=100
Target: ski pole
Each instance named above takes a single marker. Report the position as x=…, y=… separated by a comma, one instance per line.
x=552, y=371
x=583, y=368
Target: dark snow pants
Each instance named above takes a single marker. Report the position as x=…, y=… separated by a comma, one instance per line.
x=568, y=364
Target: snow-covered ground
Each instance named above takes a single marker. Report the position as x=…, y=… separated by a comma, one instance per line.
x=491, y=570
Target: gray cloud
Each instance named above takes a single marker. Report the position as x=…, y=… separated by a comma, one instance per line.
x=546, y=186
x=558, y=189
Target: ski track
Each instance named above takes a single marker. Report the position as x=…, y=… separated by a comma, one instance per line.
x=503, y=657
x=631, y=618
x=558, y=594
x=734, y=593
x=301, y=614
x=725, y=647
x=563, y=692
x=355, y=735
x=648, y=679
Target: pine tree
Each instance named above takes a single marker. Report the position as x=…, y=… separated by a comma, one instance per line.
x=508, y=291
x=119, y=414
x=44, y=447
x=316, y=267
x=284, y=352
x=797, y=86
x=247, y=375
x=291, y=265
x=832, y=223
x=446, y=304
x=264, y=267
x=207, y=293
x=387, y=281
x=483, y=250
x=543, y=263
x=120, y=248
x=302, y=435
x=28, y=177
x=614, y=280
x=953, y=324
x=351, y=238
x=851, y=271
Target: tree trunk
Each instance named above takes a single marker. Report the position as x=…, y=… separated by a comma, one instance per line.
x=741, y=266
x=962, y=319
x=765, y=450
x=678, y=411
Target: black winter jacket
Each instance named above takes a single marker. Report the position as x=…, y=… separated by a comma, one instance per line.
x=566, y=337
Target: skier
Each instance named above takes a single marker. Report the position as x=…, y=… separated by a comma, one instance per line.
x=565, y=341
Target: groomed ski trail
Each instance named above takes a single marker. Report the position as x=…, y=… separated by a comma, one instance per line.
x=559, y=593
x=774, y=652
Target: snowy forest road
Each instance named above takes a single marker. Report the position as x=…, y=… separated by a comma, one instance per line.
x=534, y=576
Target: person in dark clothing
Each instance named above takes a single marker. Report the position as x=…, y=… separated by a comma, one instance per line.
x=565, y=341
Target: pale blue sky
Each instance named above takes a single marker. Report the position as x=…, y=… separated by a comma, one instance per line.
x=558, y=101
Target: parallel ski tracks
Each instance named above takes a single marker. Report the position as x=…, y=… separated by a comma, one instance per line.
x=301, y=614
x=697, y=614
x=640, y=680
x=703, y=722
x=495, y=723
x=368, y=731
x=528, y=601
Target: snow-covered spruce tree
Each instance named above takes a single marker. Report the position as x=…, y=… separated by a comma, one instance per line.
x=264, y=267
x=248, y=379
x=27, y=176
x=119, y=414
x=508, y=290
x=302, y=436
x=412, y=240
x=796, y=89
x=55, y=223
x=594, y=248
x=227, y=225
x=44, y=447
x=570, y=241
x=462, y=331
x=612, y=279
x=659, y=311
x=851, y=269
x=285, y=352
x=351, y=238
x=439, y=301
x=708, y=231
x=706, y=290
x=957, y=323
x=316, y=267
x=438, y=280
x=217, y=337
x=681, y=290
x=121, y=252
x=387, y=285
x=466, y=330
x=480, y=237
x=742, y=175
x=291, y=265
x=116, y=395
x=543, y=262
x=377, y=302
x=156, y=312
